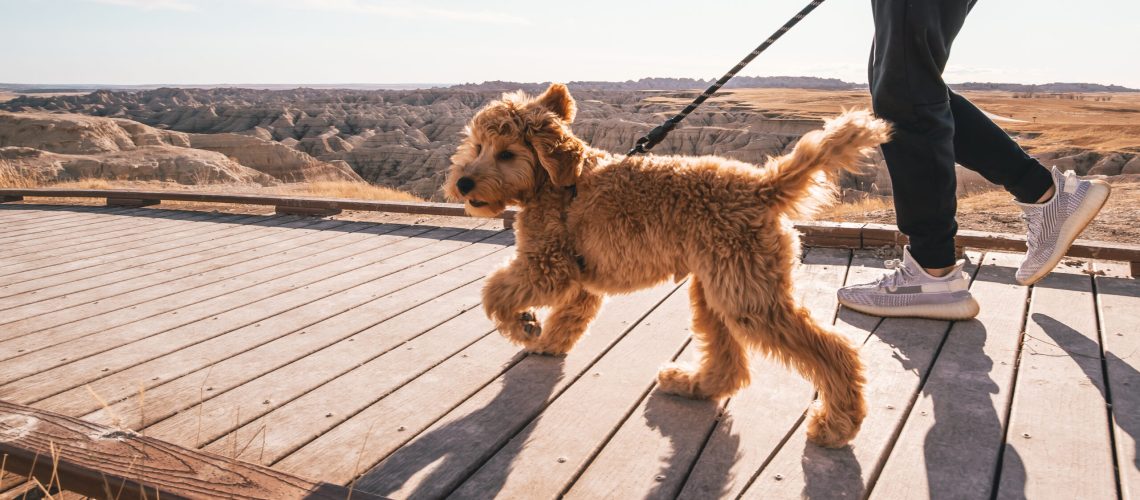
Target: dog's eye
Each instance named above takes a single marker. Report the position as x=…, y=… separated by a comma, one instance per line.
x=504, y=155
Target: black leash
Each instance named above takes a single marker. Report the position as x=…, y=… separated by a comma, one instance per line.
x=646, y=142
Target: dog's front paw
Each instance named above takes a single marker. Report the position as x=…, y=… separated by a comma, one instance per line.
x=831, y=429
x=530, y=325
x=679, y=379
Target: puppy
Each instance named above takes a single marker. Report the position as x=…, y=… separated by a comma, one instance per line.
x=593, y=223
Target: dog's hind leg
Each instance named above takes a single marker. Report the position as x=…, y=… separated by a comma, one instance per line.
x=824, y=357
x=566, y=324
x=723, y=367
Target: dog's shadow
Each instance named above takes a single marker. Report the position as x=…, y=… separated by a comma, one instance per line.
x=454, y=452
x=686, y=424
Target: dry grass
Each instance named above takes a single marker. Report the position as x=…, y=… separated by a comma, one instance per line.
x=347, y=189
x=854, y=209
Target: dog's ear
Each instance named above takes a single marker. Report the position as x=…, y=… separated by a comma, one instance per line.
x=560, y=153
x=557, y=100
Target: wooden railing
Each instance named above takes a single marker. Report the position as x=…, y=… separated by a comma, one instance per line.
x=67, y=454
x=824, y=234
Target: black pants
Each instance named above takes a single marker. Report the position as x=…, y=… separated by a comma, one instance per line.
x=934, y=127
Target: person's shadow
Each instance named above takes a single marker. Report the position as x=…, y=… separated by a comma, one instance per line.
x=964, y=416
x=447, y=452
x=1126, y=413
x=960, y=387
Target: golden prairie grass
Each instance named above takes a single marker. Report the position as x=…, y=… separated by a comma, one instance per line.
x=348, y=189
x=854, y=209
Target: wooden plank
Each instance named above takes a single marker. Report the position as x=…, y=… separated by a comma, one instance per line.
x=114, y=311
x=896, y=357
x=20, y=259
x=10, y=198
x=93, y=457
x=542, y=458
x=183, y=310
x=452, y=209
x=117, y=255
x=131, y=202
x=653, y=452
x=1118, y=300
x=176, y=273
x=831, y=234
x=272, y=363
x=16, y=240
x=85, y=233
x=127, y=240
x=762, y=416
x=1057, y=445
x=459, y=388
x=133, y=344
x=314, y=212
x=330, y=320
x=341, y=395
x=953, y=436
x=38, y=221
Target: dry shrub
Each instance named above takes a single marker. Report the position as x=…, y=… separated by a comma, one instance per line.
x=848, y=210
x=348, y=189
x=13, y=177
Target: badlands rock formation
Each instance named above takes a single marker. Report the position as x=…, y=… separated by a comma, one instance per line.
x=51, y=146
x=403, y=139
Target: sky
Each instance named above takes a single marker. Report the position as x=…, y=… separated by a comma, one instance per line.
x=130, y=42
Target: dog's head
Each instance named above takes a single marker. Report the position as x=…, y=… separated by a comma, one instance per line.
x=513, y=147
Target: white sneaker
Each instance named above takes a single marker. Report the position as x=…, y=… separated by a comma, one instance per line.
x=1055, y=224
x=910, y=291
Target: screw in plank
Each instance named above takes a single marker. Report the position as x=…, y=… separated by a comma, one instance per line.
x=779, y=477
x=561, y=460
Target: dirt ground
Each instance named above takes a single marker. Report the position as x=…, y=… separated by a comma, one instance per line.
x=995, y=212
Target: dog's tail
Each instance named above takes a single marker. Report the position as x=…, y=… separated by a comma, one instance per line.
x=801, y=181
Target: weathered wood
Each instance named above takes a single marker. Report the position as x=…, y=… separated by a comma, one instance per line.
x=90, y=458
x=652, y=451
x=426, y=208
x=112, y=290
x=543, y=458
x=132, y=202
x=345, y=392
x=758, y=418
x=39, y=273
x=179, y=313
x=472, y=392
x=133, y=344
x=105, y=296
x=951, y=442
x=896, y=357
x=832, y=234
x=135, y=241
x=882, y=235
x=306, y=211
x=222, y=414
x=10, y=198
x=1057, y=443
x=1118, y=298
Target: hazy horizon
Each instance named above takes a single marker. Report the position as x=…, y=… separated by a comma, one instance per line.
x=442, y=42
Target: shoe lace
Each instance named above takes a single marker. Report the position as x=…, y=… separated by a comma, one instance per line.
x=1034, y=226
x=901, y=274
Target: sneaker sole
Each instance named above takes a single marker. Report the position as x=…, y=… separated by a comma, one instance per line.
x=966, y=309
x=1094, y=200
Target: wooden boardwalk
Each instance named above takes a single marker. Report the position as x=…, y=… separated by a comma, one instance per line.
x=357, y=354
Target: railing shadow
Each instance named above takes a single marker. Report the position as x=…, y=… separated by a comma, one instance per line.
x=260, y=220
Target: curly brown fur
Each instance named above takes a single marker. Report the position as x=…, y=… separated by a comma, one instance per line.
x=725, y=222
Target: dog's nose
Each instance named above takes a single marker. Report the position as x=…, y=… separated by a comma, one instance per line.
x=465, y=185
